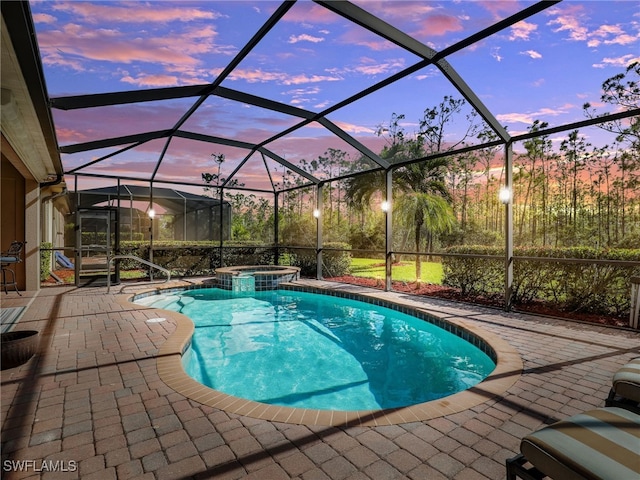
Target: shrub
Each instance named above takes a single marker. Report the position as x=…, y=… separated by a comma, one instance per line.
x=201, y=258
x=45, y=260
x=336, y=263
x=472, y=275
x=181, y=258
x=578, y=284
x=336, y=259
x=244, y=253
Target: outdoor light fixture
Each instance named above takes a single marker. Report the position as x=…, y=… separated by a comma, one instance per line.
x=151, y=213
x=384, y=206
x=316, y=213
x=505, y=195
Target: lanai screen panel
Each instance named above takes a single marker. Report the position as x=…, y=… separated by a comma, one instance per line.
x=314, y=58
x=130, y=161
x=546, y=67
x=576, y=189
x=233, y=119
x=179, y=215
x=186, y=160
x=140, y=45
x=316, y=150
x=441, y=25
x=402, y=109
x=113, y=121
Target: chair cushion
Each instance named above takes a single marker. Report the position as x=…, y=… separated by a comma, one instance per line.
x=599, y=444
x=626, y=381
x=9, y=259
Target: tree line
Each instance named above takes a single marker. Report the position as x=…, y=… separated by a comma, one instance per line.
x=577, y=194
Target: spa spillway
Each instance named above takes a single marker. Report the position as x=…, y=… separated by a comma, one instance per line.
x=255, y=277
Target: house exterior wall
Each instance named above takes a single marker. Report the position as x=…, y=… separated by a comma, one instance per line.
x=33, y=233
x=12, y=213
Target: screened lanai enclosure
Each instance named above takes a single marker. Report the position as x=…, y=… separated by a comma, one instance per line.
x=110, y=221
x=489, y=148
x=178, y=215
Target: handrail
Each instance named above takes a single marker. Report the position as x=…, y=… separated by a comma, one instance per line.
x=133, y=257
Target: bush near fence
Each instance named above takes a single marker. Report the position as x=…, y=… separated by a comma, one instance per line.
x=201, y=258
x=45, y=260
x=581, y=287
x=181, y=258
x=336, y=260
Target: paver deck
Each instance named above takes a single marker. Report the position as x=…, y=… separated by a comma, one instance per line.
x=93, y=405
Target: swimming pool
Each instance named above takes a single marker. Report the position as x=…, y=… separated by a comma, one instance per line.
x=304, y=350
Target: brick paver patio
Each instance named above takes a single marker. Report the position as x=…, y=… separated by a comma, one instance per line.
x=92, y=404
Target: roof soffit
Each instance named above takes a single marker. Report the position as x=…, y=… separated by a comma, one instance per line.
x=19, y=121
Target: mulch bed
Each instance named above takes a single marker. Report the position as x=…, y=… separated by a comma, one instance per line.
x=66, y=275
x=449, y=293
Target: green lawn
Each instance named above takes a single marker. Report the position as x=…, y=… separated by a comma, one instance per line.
x=405, y=271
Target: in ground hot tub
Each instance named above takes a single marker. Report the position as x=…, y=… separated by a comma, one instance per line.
x=266, y=277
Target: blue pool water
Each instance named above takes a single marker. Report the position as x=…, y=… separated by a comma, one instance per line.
x=307, y=350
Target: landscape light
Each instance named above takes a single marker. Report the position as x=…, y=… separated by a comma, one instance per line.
x=151, y=213
x=384, y=206
x=505, y=195
x=316, y=213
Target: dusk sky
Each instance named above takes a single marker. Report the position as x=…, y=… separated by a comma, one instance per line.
x=544, y=68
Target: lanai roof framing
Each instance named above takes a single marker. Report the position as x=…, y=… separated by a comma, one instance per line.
x=351, y=12
x=348, y=11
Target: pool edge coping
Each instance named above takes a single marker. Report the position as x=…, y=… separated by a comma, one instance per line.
x=508, y=370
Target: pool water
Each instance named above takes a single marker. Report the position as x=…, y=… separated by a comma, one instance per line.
x=306, y=350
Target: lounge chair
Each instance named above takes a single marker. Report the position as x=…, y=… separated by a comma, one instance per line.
x=625, y=390
x=8, y=259
x=602, y=444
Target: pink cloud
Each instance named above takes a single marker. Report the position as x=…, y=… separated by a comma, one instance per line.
x=74, y=46
x=606, y=30
x=307, y=12
x=134, y=12
x=369, y=66
x=522, y=30
x=115, y=167
x=500, y=8
x=359, y=36
x=622, y=40
x=44, y=18
x=54, y=58
x=111, y=46
x=611, y=35
x=532, y=54
x=399, y=10
x=528, y=118
x=282, y=78
x=305, y=38
x=302, y=79
x=373, y=68
x=569, y=19
x=152, y=80
x=622, y=61
x=69, y=135
x=352, y=128
x=78, y=126
x=437, y=25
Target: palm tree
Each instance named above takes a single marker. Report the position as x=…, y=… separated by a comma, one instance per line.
x=420, y=210
x=421, y=198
